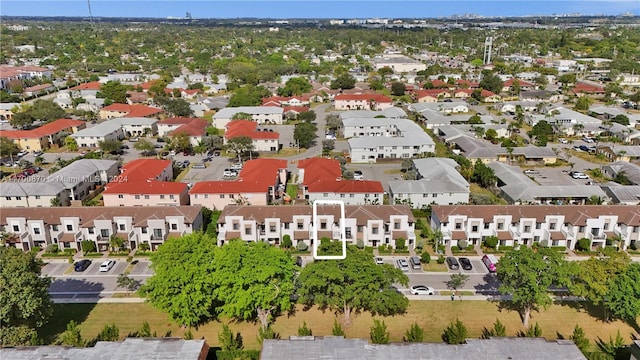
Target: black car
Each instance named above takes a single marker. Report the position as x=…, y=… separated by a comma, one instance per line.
x=466, y=263
x=82, y=265
x=453, y=263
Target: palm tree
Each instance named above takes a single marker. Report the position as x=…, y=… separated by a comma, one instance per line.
x=595, y=200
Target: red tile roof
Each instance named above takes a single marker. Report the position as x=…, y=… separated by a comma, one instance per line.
x=143, y=169
x=255, y=177
x=586, y=88
x=510, y=82
x=324, y=175
x=195, y=127
x=133, y=110
x=439, y=83
x=379, y=98
x=238, y=128
x=44, y=130
x=176, y=121
x=145, y=187
x=94, y=85
x=430, y=92
x=467, y=83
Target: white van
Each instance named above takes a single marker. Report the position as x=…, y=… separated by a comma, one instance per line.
x=491, y=262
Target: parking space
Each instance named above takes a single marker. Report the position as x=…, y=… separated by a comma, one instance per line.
x=477, y=267
x=142, y=268
x=394, y=263
x=55, y=269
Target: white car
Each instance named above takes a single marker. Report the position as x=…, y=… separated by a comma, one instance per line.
x=563, y=141
x=379, y=260
x=229, y=173
x=357, y=175
x=579, y=175
x=422, y=290
x=107, y=265
x=236, y=166
x=403, y=265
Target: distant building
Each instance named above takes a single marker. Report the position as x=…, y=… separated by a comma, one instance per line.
x=259, y=114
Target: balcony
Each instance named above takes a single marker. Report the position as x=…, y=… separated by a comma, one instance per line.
x=600, y=236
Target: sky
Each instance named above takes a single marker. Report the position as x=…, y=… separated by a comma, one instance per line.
x=313, y=8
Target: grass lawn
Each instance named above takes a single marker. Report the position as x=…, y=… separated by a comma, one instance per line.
x=434, y=266
x=433, y=316
x=477, y=189
x=587, y=157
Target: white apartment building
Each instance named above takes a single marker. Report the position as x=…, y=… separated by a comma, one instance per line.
x=259, y=114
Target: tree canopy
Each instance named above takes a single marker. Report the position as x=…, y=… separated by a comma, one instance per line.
x=295, y=86
x=526, y=275
x=239, y=145
x=305, y=133
x=182, y=284
x=343, y=81
x=114, y=91
x=7, y=147
x=253, y=281
x=491, y=82
x=623, y=300
x=354, y=284
x=26, y=304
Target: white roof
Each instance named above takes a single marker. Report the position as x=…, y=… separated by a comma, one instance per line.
x=228, y=113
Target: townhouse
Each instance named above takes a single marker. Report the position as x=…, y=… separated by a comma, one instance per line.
x=373, y=224
x=10, y=73
x=68, y=227
x=114, y=129
x=262, y=139
x=125, y=110
x=194, y=130
x=260, y=182
x=285, y=101
x=438, y=182
x=48, y=135
x=146, y=182
x=384, y=138
x=321, y=179
x=167, y=126
x=547, y=225
x=366, y=101
x=259, y=114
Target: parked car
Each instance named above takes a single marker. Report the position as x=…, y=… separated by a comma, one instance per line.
x=107, y=265
x=403, y=264
x=579, y=175
x=158, y=146
x=530, y=172
x=453, y=263
x=229, y=173
x=134, y=139
x=82, y=265
x=186, y=163
x=563, y=141
x=491, y=262
x=236, y=166
x=466, y=263
x=378, y=260
x=415, y=263
x=37, y=153
x=422, y=290
x=199, y=166
x=357, y=175
x=588, y=139
x=124, y=146
x=22, y=153
x=216, y=153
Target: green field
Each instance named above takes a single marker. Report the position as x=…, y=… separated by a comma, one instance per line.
x=433, y=316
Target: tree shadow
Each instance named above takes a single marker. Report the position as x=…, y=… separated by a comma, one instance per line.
x=489, y=286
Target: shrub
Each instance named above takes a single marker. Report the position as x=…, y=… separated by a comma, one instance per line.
x=267, y=334
x=88, y=246
x=286, y=241
x=455, y=333
x=583, y=244
x=491, y=242
x=53, y=248
x=544, y=243
x=337, y=329
x=360, y=244
x=441, y=259
x=379, y=333
x=237, y=354
x=462, y=244
x=109, y=333
x=400, y=243
x=229, y=342
x=304, y=330
x=420, y=244
x=145, y=246
x=302, y=246
x=414, y=334
x=425, y=257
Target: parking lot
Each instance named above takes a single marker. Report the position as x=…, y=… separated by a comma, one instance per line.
x=555, y=176
x=57, y=269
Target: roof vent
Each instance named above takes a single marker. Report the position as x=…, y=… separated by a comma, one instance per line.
x=339, y=178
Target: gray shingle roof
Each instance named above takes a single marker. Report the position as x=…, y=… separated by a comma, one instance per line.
x=76, y=172
x=623, y=194
x=392, y=112
x=228, y=113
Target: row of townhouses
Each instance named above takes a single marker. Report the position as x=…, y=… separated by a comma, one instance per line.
x=548, y=225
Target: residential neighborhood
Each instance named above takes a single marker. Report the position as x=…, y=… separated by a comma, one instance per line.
x=459, y=186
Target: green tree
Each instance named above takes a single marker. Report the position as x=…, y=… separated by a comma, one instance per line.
x=114, y=91
x=305, y=134
x=180, y=141
x=229, y=342
x=583, y=103
x=308, y=116
x=109, y=146
x=457, y=281
x=182, y=284
x=542, y=131
x=88, y=246
x=26, y=304
x=378, y=332
x=491, y=134
x=72, y=336
x=483, y=175
x=491, y=82
x=337, y=329
x=109, y=333
x=475, y=120
x=176, y=107
x=376, y=84
x=46, y=110
x=295, y=86
x=623, y=300
x=242, y=116
x=593, y=278
x=8, y=147
x=456, y=333
x=240, y=145
x=527, y=275
x=398, y=88
x=127, y=282
x=580, y=339
x=70, y=143
x=414, y=334
x=116, y=243
x=267, y=334
x=248, y=96
x=621, y=119
x=343, y=81
x=145, y=146
x=258, y=292
x=22, y=120
x=303, y=330
x=352, y=285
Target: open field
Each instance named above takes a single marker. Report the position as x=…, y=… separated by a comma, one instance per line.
x=433, y=316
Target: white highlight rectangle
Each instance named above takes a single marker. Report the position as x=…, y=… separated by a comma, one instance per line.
x=316, y=225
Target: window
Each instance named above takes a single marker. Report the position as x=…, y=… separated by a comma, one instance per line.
x=69, y=227
x=137, y=197
x=54, y=227
x=221, y=196
x=16, y=228
x=174, y=226
x=636, y=229
x=18, y=198
x=458, y=226
x=9, y=197
x=474, y=228
x=146, y=197
x=206, y=196
x=352, y=195
x=325, y=194
x=527, y=228
x=162, y=197
x=434, y=195
x=300, y=225
x=323, y=225
x=360, y=228
x=538, y=226
x=581, y=229
x=236, y=226
x=36, y=231
x=104, y=233
x=286, y=226
x=91, y=230
x=606, y=226
x=120, y=196
x=552, y=226
x=121, y=227
x=347, y=232
x=37, y=197
x=486, y=226
x=374, y=230
x=342, y=195
x=157, y=233
x=366, y=195
x=425, y=195
x=247, y=231
x=272, y=228
x=144, y=230
x=500, y=225
x=396, y=226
